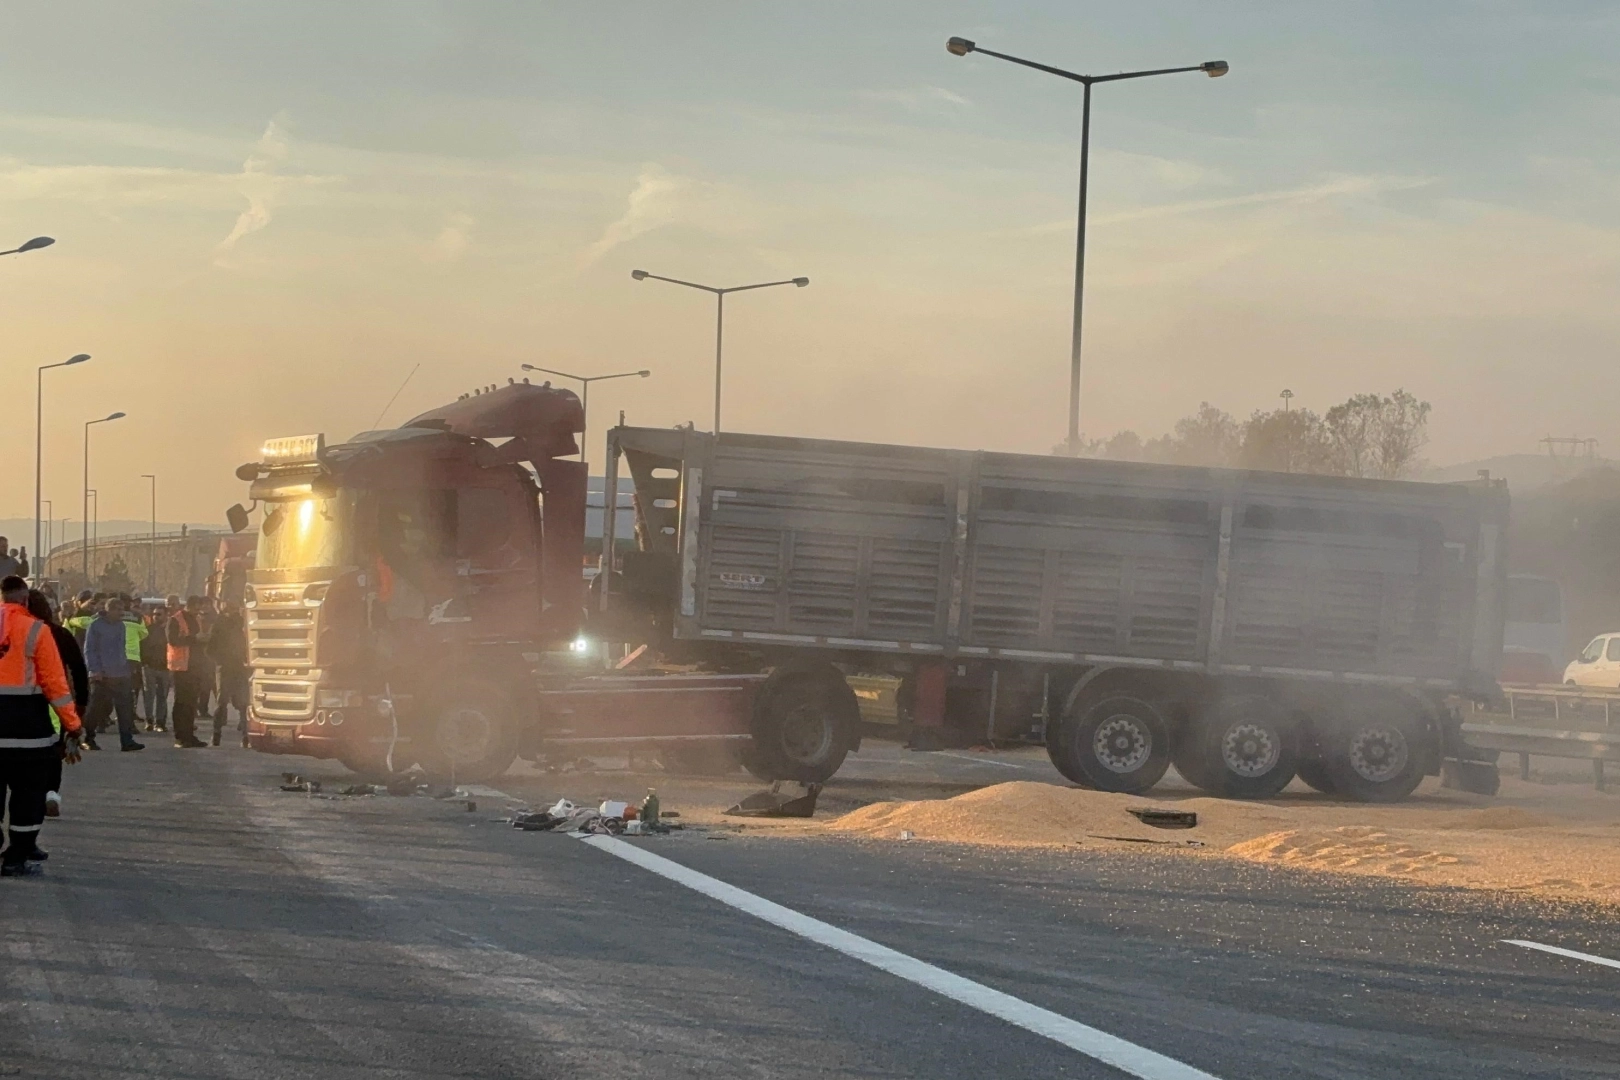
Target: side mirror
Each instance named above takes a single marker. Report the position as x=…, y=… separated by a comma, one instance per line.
x=237, y=517
x=248, y=472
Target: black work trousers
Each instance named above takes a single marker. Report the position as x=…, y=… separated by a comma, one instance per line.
x=186, y=689
x=23, y=776
x=113, y=695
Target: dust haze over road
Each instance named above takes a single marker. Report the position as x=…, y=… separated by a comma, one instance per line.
x=198, y=921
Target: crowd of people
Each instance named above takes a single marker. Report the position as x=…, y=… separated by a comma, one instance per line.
x=106, y=661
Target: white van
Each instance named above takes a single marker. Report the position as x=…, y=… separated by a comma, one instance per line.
x=1598, y=665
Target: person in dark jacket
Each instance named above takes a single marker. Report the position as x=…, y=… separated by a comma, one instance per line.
x=39, y=606
x=155, y=682
x=227, y=647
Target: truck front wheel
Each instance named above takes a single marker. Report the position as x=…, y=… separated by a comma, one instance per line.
x=802, y=727
x=1118, y=743
x=470, y=734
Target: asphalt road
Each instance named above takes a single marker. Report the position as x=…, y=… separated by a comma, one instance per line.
x=195, y=921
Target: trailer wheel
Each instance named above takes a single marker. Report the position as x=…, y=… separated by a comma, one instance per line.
x=802, y=726
x=470, y=733
x=1118, y=743
x=1245, y=747
x=1374, y=753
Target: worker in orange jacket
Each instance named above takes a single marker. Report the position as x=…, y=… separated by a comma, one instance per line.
x=33, y=682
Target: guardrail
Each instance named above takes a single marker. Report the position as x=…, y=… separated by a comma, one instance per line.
x=1550, y=721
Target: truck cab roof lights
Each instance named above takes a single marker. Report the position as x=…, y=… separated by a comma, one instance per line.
x=294, y=450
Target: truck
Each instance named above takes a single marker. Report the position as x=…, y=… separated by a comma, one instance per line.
x=417, y=596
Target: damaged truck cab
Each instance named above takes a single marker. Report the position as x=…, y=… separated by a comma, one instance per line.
x=418, y=597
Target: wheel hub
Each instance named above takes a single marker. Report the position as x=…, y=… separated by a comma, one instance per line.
x=1122, y=743
x=464, y=734
x=1250, y=750
x=806, y=735
x=1378, y=754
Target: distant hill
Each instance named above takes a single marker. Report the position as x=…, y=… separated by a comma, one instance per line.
x=1523, y=472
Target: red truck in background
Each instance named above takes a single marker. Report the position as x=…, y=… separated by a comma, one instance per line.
x=416, y=597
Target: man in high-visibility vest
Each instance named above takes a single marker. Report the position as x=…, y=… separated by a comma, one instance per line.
x=184, y=634
x=32, y=684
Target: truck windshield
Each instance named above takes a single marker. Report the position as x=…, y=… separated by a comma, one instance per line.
x=304, y=532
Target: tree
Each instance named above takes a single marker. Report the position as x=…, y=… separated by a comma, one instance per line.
x=1376, y=436
x=1292, y=440
x=115, y=577
x=1208, y=437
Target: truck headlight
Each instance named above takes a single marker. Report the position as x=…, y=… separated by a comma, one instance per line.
x=580, y=646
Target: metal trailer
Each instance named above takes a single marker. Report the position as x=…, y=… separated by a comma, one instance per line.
x=1246, y=626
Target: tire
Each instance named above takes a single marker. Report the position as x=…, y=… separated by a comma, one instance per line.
x=700, y=758
x=372, y=762
x=1186, y=754
x=1118, y=743
x=804, y=726
x=1316, y=776
x=1374, y=753
x=469, y=735
x=1245, y=746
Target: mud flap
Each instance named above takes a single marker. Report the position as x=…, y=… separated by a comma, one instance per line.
x=1477, y=777
x=772, y=802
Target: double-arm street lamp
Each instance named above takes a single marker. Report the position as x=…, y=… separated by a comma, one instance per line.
x=585, y=393
x=32, y=245
x=1213, y=68
x=719, y=316
x=86, y=533
x=39, y=419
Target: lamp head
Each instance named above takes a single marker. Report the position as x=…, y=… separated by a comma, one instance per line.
x=801, y=282
x=530, y=367
x=959, y=46
x=1215, y=68
x=38, y=242
x=644, y=374
x=79, y=359
x=639, y=275
x=115, y=416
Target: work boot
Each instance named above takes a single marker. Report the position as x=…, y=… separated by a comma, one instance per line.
x=39, y=854
x=127, y=747
x=53, y=804
x=216, y=736
x=22, y=868
x=91, y=744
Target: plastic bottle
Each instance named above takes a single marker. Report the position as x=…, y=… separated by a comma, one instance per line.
x=649, y=811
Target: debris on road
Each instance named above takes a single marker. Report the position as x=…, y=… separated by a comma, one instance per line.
x=1161, y=818
x=1147, y=840
x=773, y=803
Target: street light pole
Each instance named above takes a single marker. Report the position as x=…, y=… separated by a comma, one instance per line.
x=86, y=529
x=719, y=316
x=31, y=245
x=39, y=427
x=50, y=530
x=1213, y=68
x=151, y=546
x=585, y=393
x=95, y=527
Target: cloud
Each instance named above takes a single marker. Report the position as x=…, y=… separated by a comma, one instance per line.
x=452, y=241
x=655, y=201
x=259, y=185
x=916, y=98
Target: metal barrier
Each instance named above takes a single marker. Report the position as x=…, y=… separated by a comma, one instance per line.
x=1551, y=722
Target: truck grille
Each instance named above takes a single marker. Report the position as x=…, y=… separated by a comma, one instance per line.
x=281, y=650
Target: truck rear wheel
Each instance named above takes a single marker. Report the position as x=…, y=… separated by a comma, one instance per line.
x=803, y=725
x=1117, y=743
x=1374, y=753
x=1243, y=746
x=470, y=734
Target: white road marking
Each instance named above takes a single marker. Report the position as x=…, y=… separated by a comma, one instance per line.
x=980, y=760
x=1556, y=951
x=1109, y=1049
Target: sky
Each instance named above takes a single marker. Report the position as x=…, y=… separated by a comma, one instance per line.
x=269, y=214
